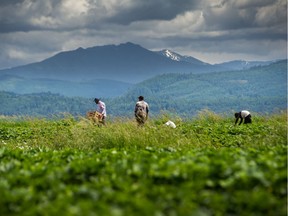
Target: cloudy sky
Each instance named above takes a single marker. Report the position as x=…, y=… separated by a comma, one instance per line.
x=211, y=30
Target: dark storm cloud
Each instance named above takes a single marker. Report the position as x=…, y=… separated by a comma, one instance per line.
x=246, y=14
x=17, y=15
x=50, y=14
x=140, y=10
x=9, y=2
x=32, y=15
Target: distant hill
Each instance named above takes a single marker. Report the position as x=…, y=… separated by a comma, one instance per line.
x=241, y=64
x=107, y=71
x=43, y=104
x=261, y=89
x=87, y=89
x=231, y=65
x=127, y=62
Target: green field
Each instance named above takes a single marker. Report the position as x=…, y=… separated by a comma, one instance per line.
x=206, y=166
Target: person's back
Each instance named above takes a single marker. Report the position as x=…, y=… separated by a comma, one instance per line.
x=141, y=108
x=141, y=111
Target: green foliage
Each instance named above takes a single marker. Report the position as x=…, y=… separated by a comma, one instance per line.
x=205, y=166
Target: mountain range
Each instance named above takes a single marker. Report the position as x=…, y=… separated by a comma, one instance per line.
x=108, y=70
x=261, y=89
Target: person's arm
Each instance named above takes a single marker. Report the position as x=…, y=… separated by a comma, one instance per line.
x=147, y=110
x=103, y=109
x=237, y=116
x=241, y=120
x=135, y=110
x=236, y=120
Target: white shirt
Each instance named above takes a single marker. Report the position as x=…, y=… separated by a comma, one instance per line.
x=244, y=113
x=142, y=104
x=102, y=108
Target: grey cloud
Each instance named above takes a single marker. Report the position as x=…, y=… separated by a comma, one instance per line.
x=140, y=10
x=272, y=15
x=232, y=47
x=229, y=15
x=255, y=3
x=22, y=15
x=4, y=3
x=206, y=26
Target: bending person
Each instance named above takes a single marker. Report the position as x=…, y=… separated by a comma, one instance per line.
x=244, y=114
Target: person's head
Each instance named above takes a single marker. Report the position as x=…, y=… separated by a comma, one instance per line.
x=140, y=98
x=96, y=100
x=237, y=115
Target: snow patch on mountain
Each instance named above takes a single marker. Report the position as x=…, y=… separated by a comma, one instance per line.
x=171, y=55
x=180, y=58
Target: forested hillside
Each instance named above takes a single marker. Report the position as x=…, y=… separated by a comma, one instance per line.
x=42, y=104
x=260, y=89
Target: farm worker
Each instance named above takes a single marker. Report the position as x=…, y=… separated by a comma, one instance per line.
x=141, y=111
x=244, y=114
x=101, y=109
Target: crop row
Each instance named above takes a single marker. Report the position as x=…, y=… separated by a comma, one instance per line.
x=154, y=182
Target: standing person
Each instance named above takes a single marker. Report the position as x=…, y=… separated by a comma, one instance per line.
x=101, y=109
x=244, y=114
x=141, y=111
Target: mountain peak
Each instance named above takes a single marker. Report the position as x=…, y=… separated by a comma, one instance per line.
x=128, y=44
x=79, y=49
x=177, y=57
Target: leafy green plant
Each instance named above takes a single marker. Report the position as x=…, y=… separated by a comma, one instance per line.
x=205, y=166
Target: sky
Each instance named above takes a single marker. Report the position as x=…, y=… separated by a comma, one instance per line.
x=212, y=31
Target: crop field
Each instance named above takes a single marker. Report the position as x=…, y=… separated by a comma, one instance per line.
x=206, y=166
